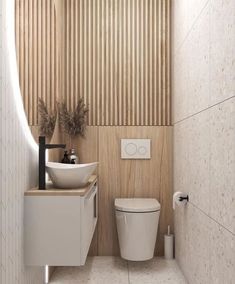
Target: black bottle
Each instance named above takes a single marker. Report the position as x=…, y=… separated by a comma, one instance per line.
x=65, y=160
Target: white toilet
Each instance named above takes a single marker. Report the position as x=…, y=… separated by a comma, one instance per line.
x=137, y=224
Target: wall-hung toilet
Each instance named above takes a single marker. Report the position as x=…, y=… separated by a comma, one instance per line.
x=137, y=224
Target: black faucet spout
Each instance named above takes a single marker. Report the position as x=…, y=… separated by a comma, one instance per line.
x=52, y=146
x=42, y=160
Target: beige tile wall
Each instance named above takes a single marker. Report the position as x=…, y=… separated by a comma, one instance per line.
x=203, y=86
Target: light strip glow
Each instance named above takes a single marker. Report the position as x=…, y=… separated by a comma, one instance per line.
x=46, y=274
x=11, y=58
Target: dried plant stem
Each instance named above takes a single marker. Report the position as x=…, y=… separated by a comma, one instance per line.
x=74, y=122
x=47, y=119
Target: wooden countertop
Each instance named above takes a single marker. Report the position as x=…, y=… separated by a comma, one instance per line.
x=51, y=191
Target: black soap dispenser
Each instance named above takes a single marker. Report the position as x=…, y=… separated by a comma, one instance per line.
x=65, y=160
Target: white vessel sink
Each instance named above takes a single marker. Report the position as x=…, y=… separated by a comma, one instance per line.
x=69, y=175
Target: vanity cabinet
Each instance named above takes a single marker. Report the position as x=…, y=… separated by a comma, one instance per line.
x=59, y=225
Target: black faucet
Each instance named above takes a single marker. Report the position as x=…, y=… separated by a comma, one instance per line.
x=42, y=161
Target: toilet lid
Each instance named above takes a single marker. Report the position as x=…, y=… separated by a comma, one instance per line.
x=137, y=204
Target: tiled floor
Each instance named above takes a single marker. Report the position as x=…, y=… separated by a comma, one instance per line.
x=113, y=270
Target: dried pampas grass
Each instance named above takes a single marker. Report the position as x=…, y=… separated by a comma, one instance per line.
x=74, y=122
x=47, y=119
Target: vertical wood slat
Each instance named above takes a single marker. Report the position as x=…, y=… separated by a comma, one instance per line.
x=52, y=51
x=39, y=44
x=26, y=57
x=43, y=50
x=168, y=60
x=76, y=31
x=115, y=54
x=48, y=53
x=35, y=60
x=93, y=60
x=120, y=52
x=141, y=63
x=160, y=64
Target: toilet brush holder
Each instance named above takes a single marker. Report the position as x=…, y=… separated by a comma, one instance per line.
x=169, y=245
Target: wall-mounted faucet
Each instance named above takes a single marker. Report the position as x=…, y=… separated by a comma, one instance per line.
x=42, y=160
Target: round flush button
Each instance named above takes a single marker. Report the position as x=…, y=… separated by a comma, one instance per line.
x=142, y=150
x=131, y=149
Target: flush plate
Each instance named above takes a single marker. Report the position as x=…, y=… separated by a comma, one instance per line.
x=135, y=148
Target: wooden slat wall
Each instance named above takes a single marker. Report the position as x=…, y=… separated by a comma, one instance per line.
x=116, y=56
x=36, y=53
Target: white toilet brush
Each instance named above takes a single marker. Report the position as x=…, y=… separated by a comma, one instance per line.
x=169, y=244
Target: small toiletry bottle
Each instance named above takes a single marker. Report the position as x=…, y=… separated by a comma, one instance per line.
x=65, y=160
x=73, y=157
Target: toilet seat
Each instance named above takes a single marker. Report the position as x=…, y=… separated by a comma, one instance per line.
x=137, y=205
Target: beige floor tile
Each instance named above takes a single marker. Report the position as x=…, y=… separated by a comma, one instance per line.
x=156, y=271
x=113, y=270
x=98, y=270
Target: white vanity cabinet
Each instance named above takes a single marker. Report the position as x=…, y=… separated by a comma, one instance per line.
x=59, y=225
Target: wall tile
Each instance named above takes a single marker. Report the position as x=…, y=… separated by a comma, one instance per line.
x=204, y=161
x=222, y=163
x=191, y=159
x=204, y=142
x=204, y=66
x=180, y=86
x=222, y=50
x=192, y=244
x=180, y=18
x=198, y=166
x=191, y=71
x=205, y=251
x=185, y=14
x=180, y=154
x=222, y=255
